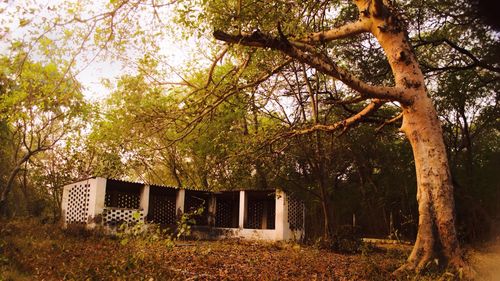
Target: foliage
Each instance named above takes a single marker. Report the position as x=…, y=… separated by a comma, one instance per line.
x=39, y=109
x=139, y=230
x=344, y=240
x=185, y=222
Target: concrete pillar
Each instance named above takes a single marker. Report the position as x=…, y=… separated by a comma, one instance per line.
x=242, y=214
x=144, y=200
x=212, y=208
x=64, y=203
x=96, y=201
x=282, y=228
x=179, y=202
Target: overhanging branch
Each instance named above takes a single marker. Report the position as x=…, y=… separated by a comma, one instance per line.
x=390, y=121
x=344, y=124
x=318, y=61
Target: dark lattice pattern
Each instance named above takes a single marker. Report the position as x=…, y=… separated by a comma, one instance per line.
x=78, y=204
x=271, y=215
x=117, y=216
x=193, y=202
x=255, y=211
x=162, y=209
x=225, y=213
x=295, y=214
x=122, y=199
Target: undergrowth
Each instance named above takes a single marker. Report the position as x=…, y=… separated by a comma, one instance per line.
x=31, y=250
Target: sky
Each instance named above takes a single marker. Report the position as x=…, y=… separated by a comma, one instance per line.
x=175, y=53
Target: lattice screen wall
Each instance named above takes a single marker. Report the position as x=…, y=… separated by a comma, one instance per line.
x=295, y=214
x=224, y=213
x=122, y=203
x=271, y=215
x=78, y=204
x=117, y=216
x=162, y=209
x=255, y=212
x=194, y=202
x=119, y=199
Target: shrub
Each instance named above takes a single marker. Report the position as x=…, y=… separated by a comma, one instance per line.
x=344, y=240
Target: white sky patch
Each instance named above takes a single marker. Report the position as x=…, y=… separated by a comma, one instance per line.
x=91, y=79
x=175, y=55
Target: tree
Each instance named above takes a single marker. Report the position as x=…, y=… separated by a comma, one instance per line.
x=420, y=121
x=146, y=127
x=39, y=108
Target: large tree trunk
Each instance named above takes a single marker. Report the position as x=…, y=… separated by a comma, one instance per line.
x=436, y=235
x=434, y=187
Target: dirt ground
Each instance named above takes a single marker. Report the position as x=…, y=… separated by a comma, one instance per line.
x=486, y=260
x=33, y=251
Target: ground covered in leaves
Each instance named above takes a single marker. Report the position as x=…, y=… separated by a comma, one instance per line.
x=33, y=251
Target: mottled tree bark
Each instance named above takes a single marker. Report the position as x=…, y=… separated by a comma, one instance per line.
x=423, y=129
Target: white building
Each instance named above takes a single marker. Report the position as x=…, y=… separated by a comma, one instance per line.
x=252, y=214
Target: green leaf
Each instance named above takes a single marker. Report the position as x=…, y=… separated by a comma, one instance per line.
x=23, y=22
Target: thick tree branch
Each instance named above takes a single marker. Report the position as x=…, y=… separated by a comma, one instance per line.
x=344, y=31
x=318, y=61
x=370, y=108
x=390, y=121
x=344, y=102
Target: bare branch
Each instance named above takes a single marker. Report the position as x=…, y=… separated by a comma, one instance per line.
x=346, y=123
x=214, y=63
x=390, y=121
x=344, y=31
x=344, y=102
x=266, y=76
x=475, y=61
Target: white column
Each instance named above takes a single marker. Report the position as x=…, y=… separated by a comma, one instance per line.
x=212, y=209
x=242, y=215
x=100, y=195
x=96, y=201
x=144, y=202
x=64, y=203
x=179, y=201
x=281, y=225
